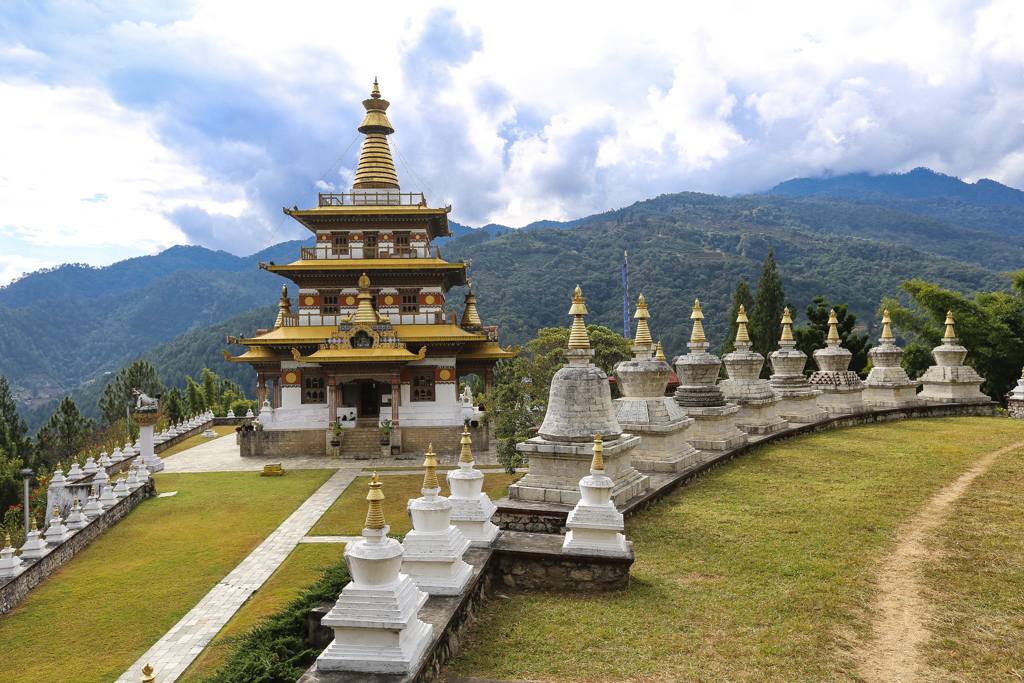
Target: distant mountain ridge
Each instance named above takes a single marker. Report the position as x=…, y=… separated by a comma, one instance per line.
x=920, y=183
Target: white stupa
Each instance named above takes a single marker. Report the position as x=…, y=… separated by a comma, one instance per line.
x=472, y=509
x=594, y=526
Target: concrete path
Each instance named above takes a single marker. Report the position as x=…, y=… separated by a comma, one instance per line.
x=185, y=641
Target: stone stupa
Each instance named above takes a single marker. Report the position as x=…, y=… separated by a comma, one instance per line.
x=645, y=411
x=714, y=427
x=745, y=387
x=842, y=390
x=798, y=400
x=888, y=385
x=579, y=406
x=949, y=380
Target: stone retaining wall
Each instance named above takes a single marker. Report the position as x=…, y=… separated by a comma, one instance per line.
x=283, y=443
x=18, y=587
x=446, y=440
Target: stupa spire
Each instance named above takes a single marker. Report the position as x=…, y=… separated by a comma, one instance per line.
x=833, y=329
x=886, y=337
x=597, y=464
x=578, y=338
x=376, y=167
x=365, y=313
x=375, y=513
x=430, y=483
x=950, y=333
x=284, y=307
x=697, y=340
x=741, y=332
x=467, y=454
x=470, y=316
x=660, y=354
x=787, y=327
x=643, y=335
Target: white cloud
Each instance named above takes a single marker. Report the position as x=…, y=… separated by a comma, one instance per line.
x=12, y=266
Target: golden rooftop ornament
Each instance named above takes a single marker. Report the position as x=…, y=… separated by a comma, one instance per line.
x=950, y=334
x=8, y=542
x=643, y=335
x=375, y=514
x=467, y=455
x=376, y=168
x=787, y=326
x=470, y=317
x=886, y=329
x=659, y=355
x=697, y=336
x=365, y=313
x=578, y=338
x=430, y=477
x=284, y=307
x=598, y=462
x=741, y=331
x=833, y=322
x=147, y=674
x=33, y=517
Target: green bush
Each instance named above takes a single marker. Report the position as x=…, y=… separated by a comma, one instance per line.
x=278, y=649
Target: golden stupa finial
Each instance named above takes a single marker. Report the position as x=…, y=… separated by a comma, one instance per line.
x=659, y=354
x=598, y=462
x=886, y=326
x=741, y=331
x=430, y=476
x=364, y=311
x=147, y=674
x=375, y=94
x=643, y=334
x=94, y=489
x=787, y=326
x=33, y=518
x=697, y=336
x=833, y=323
x=376, y=169
x=375, y=515
x=7, y=542
x=470, y=316
x=950, y=334
x=578, y=338
x=284, y=307
x=467, y=454
x=364, y=281
x=76, y=500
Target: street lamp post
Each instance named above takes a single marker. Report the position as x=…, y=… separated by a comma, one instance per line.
x=26, y=474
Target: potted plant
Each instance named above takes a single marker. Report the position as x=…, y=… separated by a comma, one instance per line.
x=338, y=431
x=385, y=432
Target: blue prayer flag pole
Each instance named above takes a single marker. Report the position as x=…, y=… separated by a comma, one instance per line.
x=625, y=295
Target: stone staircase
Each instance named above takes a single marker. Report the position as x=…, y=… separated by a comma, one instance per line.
x=361, y=442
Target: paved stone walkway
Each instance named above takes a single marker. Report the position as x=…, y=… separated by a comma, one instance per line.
x=185, y=641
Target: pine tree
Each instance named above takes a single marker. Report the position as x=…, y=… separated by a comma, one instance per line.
x=14, y=438
x=64, y=435
x=813, y=336
x=194, y=399
x=741, y=297
x=766, y=320
x=174, y=405
x=118, y=393
x=210, y=393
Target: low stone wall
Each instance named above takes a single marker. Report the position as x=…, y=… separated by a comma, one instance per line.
x=18, y=587
x=282, y=443
x=159, y=448
x=535, y=562
x=446, y=440
x=231, y=421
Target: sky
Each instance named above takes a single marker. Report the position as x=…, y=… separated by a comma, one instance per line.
x=126, y=128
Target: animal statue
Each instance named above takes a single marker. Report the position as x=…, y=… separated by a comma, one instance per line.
x=142, y=401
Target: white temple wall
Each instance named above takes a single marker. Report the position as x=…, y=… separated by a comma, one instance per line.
x=291, y=397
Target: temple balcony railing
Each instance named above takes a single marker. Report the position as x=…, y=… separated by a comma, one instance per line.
x=372, y=198
x=315, y=319
x=381, y=251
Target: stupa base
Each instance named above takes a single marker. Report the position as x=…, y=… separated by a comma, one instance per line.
x=663, y=447
x=472, y=516
x=714, y=428
x=759, y=417
x=600, y=543
x=891, y=395
x=843, y=400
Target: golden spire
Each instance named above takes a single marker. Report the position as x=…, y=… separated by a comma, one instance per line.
x=470, y=318
x=950, y=334
x=375, y=515
x=284, y=307
x=467, y=455
x=147, y=674
x=33, y=517
x=76, y=500
x=643, y=335
x=578, y=338
x=376, y=167
x=833, y=329
x=430, y=477
x=741, y=331
x=56, y=512
x=8, y=542
x=659, y=355
x=886, y=329
x=598, y=462
x=365, y=313
x=787, y=326
x=697, y=337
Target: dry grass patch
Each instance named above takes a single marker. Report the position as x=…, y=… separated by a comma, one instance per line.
x=346, y=516
x=761, y=571
x=100, y=612
x=222, y=431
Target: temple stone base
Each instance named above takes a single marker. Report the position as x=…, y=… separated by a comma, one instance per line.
x=714, y=428
x=885, y=395
x=662, y=427
x=842, y=392
x=760, y=416
x=556, y=469
x=951, y=384
x=799, y=406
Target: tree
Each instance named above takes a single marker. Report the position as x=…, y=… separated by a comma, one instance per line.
x=741, y=297
x=174, y=405
x=511, y=411
x=766, y=318
x=989, y=324
x=194, y=399
x=118, y=392
x=813, y=337
x=14, y=438
x=210, y=393
x=64, y=435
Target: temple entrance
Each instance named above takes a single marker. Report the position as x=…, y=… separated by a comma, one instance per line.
x=368, y=400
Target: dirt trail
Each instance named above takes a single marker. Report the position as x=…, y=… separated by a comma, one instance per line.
x=901, y=611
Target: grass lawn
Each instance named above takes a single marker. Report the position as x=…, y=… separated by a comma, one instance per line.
x=976, y=583
x=191, y=441
x=763, y=569
x=302, y=567
x=346, y=516
x=100, y=612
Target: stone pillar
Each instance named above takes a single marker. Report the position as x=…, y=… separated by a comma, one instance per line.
x=888, y=385
x=261, y=389
x=746, y=389
x=949, y=380
x=842, y=390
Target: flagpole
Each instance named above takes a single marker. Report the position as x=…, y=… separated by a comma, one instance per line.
x=625, y=294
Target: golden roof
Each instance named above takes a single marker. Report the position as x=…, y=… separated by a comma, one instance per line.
x=643, y=334
x=488, y=350
x=375, y=513
x=578, y=338
x=376, y=168
x=741, y=331
x=359, y=355
x=253, y=355
x=697, y=336
x=316, y=334
x=470, y=317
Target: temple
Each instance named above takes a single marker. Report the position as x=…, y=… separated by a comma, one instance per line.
x=371, y=339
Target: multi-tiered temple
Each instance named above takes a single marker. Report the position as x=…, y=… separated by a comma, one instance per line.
x=371, y=338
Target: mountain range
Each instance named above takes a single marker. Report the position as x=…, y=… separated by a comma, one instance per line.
x=62, y=329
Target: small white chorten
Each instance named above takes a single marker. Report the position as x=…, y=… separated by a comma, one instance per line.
x=842, y=390
x=90, y=466
x=107, y=498
x=888, y=385
x=949, y=380
x=93, y=508
x=75, y=473
x=35, y=547
x=10, y=566
x=472, y=509
x=57, y=533
x=594, y=526
x=745, y=387
x=76, y=520
x=121, y=489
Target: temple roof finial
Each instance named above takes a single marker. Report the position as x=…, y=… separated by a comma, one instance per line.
x=376, y=168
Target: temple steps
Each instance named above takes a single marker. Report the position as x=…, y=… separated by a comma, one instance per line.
x=360, y=442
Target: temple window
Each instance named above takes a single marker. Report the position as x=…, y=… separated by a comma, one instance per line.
x=339, y=246
x=313, y=390
x=402, y=244
x=329, y=304
x=370, y=245
x=422, y=386
x=411, y=303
